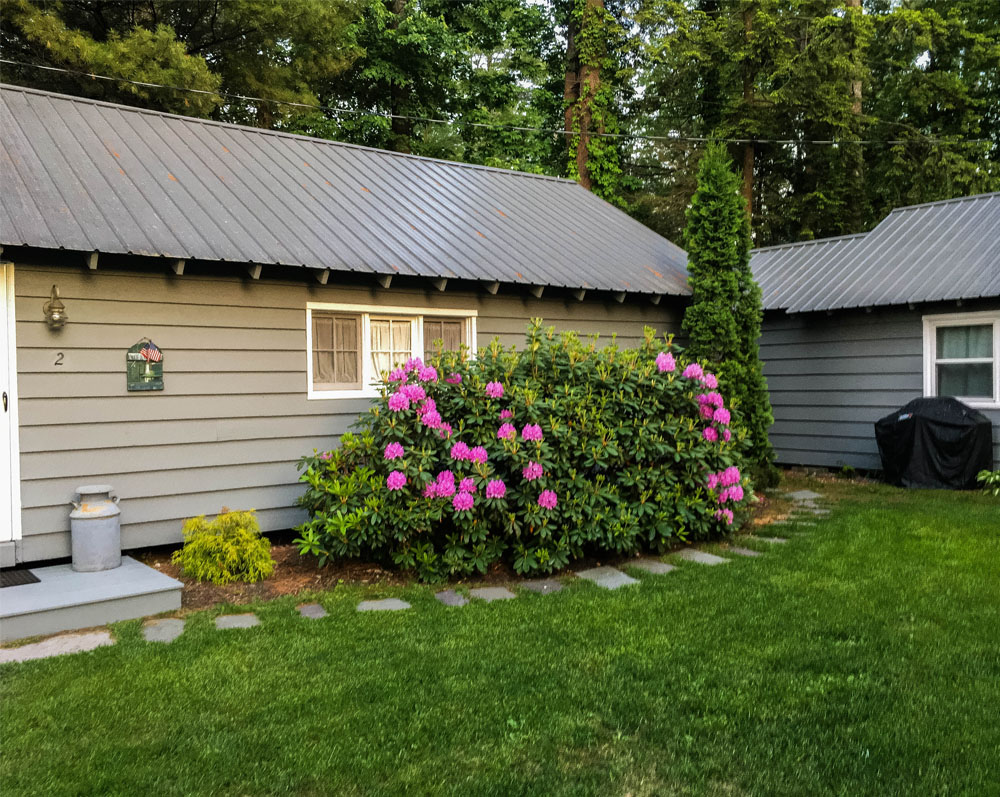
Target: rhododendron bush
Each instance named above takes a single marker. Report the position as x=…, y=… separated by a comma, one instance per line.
x=539, y=456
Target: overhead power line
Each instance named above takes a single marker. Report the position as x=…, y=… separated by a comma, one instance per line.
x=490, y=125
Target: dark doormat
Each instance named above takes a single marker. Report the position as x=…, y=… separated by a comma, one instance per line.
x=15, y=578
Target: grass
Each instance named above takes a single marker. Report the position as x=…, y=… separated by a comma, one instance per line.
x=863, y=657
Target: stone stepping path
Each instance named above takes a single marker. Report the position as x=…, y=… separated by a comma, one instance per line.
x=163, y=630
x=607, y=577
x=803, y=495
x=384, y=605
x=57, y=646
x=543, y=586
x=776, y=540
x=654, y=566
x=451, y=598
x=229, y=621
x=312, y=611
x=701, y=557
x=740, y=551
x=490, y=594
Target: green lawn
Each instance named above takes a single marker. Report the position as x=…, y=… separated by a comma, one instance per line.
x=863, y=657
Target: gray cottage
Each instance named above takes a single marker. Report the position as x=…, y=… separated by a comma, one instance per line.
x=857, y=326
x=268, y=277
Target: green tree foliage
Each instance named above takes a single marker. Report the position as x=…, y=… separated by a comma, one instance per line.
x=724, y=317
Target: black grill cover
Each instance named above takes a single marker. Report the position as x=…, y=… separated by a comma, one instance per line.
x=935, y=443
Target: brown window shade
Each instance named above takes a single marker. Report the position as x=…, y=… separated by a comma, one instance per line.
x=451, y=331
x=336, y=351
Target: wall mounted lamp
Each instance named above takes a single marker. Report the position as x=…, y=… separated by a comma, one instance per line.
x=55, y=311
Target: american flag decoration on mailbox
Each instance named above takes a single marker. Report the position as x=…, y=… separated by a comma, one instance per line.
x=144, y=366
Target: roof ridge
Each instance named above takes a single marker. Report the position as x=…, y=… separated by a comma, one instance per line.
x=969, y=198
x=831, y=239
x=280, y=133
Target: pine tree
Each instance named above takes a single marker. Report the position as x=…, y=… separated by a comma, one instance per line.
x=723, y=320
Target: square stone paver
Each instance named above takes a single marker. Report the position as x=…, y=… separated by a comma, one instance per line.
x=544, y=586
x=312, y=611
x=58, y=646
x=803, y=495
x=228, y=621
x=451, y=598
x=654, y=566
x=163, y=630
x=779, y=540
x=490, y=594
x=736, y=549
x=701, y=557
x=384, y=605
x=607, y=577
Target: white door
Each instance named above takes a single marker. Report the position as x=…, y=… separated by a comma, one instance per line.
x=10, y=488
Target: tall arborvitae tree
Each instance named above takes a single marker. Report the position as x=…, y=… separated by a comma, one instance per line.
x=723, y=320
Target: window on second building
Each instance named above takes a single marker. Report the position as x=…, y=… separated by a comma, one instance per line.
x=961, y=357
x=451, y=331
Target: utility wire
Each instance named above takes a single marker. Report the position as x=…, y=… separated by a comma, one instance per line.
x=492, y=126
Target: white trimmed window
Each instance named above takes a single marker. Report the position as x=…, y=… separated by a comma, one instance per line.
x=962, y=357
x=350, y=347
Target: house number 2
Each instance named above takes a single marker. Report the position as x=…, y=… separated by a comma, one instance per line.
x=59, y=358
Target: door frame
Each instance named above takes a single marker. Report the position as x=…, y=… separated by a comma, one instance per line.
x=12, y=417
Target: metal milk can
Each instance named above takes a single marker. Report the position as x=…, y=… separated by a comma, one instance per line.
x=95, y=529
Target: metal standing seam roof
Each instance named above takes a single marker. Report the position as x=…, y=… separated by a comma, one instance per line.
x=937, y=251
x=90, y=176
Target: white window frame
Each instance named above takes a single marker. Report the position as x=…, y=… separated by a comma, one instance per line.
x=931, y=324
x=369, y=379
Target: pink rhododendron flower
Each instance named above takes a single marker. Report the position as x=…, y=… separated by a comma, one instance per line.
x=496, y=489
x=730, y=475
x=532, y=431
x=707, y=411
x=432, y=419
x=445, y=486
x=710, y=381
x=413, y=392
x=506, y=431
x=460, y=451
x=427, y=405
x=396, y=480
x=444, y=431
x=467, y=485
x=532, y=471
x=721, y=416
x=725, y=514
x=428, y=374
x=548, y=499
x=494, y=390
x=478, y=454
x=710, y=434
x=665, y=361
x=413, y=364
x=397, y=375
x=463, y=502
x=736, y=492
x=505, y=414
x=327, y=455
x=712, y=399
x=693, y=371
x=398, y=401
x=454, y=379
x=394, y=451
x=430, y=490
x=713, y=481
x=727, y=435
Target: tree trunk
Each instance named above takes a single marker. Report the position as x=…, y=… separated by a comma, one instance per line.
x=748, y=77
x=856, y=83
x=583, y=81
x=402, y=129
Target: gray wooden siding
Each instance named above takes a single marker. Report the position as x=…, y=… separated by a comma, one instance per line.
x=831, y=377
x=233, y=418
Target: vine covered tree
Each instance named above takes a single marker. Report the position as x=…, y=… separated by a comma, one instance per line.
x=724, y=317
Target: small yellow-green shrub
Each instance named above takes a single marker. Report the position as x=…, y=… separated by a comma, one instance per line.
x=229, y=548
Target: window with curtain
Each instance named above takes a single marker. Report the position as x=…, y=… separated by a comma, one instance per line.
x=964, y=361
x=451, y=331
x=336, y=351
x=391, y=342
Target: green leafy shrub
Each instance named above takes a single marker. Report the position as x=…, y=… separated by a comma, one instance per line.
x=539, y=456
x=229, y=548
x=990, y=480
